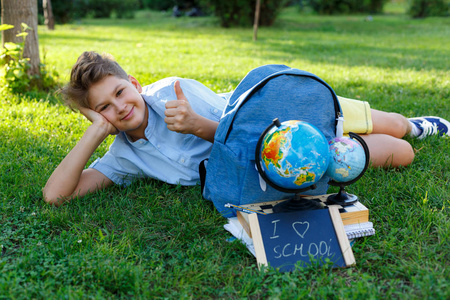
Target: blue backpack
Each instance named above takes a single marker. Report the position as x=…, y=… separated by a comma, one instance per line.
x=266, y=93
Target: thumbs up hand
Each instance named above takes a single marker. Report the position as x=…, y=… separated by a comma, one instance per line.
x=180, y=116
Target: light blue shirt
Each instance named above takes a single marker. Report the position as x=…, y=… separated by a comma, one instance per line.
x=166, y=155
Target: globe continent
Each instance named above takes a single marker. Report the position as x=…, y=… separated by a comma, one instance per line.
x=294, y=155
x=347, y=159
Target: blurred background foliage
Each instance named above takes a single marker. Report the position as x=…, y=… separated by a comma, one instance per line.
x=232, y=13
x=330, y=7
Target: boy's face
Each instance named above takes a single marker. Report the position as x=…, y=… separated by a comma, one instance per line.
x=120, y=102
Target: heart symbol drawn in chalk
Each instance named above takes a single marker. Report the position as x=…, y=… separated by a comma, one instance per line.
x=300, y=227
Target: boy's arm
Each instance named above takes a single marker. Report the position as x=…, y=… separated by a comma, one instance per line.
x=180, y=117
x=69, y=179
x=206, y=129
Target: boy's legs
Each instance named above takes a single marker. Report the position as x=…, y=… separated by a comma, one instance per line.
x=381, y=131
x=392, y=124
x=386, y=147
x=388, y=151
x=398, y=126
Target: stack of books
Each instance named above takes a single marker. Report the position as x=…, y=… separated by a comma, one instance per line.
x=355, y=217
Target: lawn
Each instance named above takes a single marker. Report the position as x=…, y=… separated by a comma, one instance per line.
x=157, y=240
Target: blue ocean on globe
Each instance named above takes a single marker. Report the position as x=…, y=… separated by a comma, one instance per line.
x=347, y=159
x=294, y=155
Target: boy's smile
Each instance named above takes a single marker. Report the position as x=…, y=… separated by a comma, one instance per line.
x=120, y=102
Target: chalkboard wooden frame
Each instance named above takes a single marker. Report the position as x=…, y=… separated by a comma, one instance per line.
x=331, y=230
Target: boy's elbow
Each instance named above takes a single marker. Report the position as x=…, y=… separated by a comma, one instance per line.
x=51, y=198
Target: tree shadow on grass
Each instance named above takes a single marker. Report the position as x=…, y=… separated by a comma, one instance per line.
x=82, y=39
x=353, y=54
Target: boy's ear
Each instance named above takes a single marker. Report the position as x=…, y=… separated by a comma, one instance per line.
x=136, y=83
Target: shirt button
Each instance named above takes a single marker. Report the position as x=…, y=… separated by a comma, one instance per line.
x=182, y=160
x=140, y=142
x=216, y=110
x=158, y=146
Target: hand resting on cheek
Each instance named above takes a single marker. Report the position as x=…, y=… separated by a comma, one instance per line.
x=99, y=121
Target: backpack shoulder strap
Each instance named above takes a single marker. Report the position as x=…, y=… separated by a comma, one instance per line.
x=251, y=83
x=202, y=173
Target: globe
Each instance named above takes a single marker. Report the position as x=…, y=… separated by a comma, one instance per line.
x=348, y=159
x=293, y=155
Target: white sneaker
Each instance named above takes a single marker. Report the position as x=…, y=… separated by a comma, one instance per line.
x=427, y=126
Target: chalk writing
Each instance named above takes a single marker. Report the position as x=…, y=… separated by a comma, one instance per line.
x=302, y=226
x=314, y=249
x=322, y=249
x=299, y=236
x=274, y=236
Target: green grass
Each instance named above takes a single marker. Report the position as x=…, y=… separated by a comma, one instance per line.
x=156, y=240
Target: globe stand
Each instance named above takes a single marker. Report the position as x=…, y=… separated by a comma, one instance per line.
x=297, y=203
x=342, y=197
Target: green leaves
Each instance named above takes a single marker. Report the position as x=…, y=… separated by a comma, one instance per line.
x=14, y=77
x=6, y=27
x=25, y=27
x=22, y=34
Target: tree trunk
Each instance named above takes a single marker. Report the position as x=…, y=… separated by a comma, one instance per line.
x=48, y=14
x=15, y=12
x=256, y=20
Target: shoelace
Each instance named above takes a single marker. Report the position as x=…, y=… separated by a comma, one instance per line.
x=428, y=129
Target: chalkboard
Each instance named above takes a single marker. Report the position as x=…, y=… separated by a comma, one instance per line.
x=283, y=239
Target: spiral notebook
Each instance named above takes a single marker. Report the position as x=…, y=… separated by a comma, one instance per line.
x=359, y=230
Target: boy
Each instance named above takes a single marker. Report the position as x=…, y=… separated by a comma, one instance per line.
x=165, y=129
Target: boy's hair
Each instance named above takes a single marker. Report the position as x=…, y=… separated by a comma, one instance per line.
x=89, y=69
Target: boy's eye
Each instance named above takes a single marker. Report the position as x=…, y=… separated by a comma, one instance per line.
x=119, y=92
x=104, y=107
